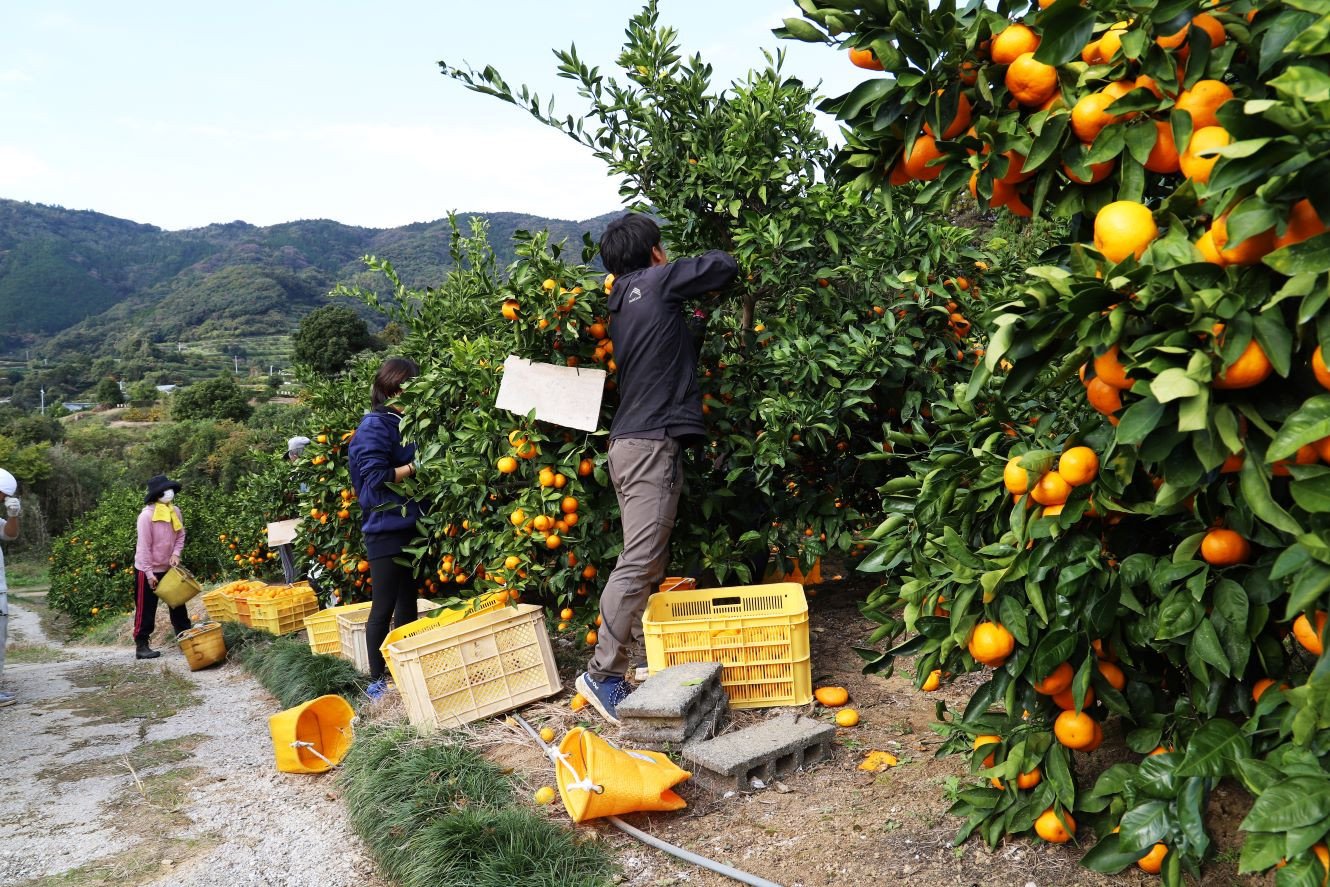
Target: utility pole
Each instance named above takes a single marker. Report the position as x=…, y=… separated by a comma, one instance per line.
x=43, y=401
x=237, y=360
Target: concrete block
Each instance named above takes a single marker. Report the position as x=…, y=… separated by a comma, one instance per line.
x=656, y=733
x=671, y=692
x=768, y=751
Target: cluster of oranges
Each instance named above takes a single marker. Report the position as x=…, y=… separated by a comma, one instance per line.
x=1077, y=466
x=243, y=553
x=564, y=303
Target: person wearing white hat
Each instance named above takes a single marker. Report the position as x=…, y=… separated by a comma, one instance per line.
x=8, y=533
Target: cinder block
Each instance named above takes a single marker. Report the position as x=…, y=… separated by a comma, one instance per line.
x=672, y=692
x=655, y=733
x=767, y=751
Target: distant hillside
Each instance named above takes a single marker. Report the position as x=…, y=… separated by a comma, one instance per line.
x=78, y=281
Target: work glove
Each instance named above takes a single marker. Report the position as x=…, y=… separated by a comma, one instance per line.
x=13, y=507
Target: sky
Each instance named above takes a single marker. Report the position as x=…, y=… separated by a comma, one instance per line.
x=185, y=114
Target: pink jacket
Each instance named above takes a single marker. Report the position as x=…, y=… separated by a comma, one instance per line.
x=158, y=543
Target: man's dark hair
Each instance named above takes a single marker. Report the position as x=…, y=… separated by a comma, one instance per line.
x=389, y=379
x=627, y=243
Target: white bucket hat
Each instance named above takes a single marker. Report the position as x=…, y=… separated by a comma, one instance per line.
x=8, y=485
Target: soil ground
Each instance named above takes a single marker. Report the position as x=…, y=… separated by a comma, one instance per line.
x=149, y=774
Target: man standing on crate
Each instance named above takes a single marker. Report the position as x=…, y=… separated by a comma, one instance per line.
x=8, y=532
x=161, y=539
x=660, y=412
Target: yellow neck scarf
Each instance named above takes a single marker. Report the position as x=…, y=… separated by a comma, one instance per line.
x=163, y=512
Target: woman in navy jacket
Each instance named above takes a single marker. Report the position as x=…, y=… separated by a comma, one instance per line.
x=388, y=520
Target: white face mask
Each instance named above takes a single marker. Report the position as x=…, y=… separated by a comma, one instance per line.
x=167, y=496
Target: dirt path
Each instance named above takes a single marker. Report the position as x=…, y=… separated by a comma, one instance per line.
x=144, y=773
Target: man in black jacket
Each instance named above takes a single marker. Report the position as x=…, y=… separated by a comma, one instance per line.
x=660, y=412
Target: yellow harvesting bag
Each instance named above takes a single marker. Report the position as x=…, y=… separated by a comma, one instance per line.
x=599, y=779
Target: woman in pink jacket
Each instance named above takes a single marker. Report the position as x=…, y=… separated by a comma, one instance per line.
x=160, y=542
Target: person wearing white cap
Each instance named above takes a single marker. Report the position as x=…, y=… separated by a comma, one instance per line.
x=8, y=533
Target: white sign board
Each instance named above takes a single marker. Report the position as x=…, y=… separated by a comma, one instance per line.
x=567, y=396
x=282, y=532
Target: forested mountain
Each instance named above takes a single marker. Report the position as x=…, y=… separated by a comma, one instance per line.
x=79, y=281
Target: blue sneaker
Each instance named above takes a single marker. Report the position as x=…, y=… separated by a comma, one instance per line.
x=7, y=699
x=377, y=690
x=605, y=694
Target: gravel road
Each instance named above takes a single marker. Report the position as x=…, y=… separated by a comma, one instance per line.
x=183, y=799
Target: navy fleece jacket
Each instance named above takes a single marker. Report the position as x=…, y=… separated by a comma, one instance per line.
x=658, y=391
x=388, y=519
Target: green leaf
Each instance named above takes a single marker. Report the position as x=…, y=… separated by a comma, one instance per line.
x=1312, y=493
x=1308, y=424
x=1172, y=384
x=1108, y=857
x=1066, y=27
x=1205, y=643
x=799, y=29
x=1260, y=851
x=1214, y=750
x=1256, y=491
x=1144, y=826
x=1058, y=770
x=1138, y=420
x=1294, y=802
x=1310, y=256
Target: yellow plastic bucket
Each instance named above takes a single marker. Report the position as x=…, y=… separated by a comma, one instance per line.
x=312, y=737
x=177, y=586
x=599, y=779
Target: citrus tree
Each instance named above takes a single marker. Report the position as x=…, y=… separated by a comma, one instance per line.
x=1152, y=546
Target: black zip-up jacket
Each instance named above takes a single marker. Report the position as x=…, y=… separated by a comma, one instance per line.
x=657, y=362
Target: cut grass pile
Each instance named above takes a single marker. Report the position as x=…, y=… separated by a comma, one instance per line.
x=120, y=693
x=288, y=669
x=435, y=813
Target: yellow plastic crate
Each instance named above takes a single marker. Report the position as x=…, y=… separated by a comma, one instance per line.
x=758, y=633
x=442, y=616
x=481, y=665
x=285, y=613
x=221, y=607
x=351, y=633
x=322, y=628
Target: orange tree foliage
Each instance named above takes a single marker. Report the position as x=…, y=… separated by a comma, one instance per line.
x=1191, y=299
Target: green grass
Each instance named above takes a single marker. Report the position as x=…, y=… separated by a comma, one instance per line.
x=437, y=814
x=289, y=669
x=27, y=572
x=22, y=652
x=121, y=693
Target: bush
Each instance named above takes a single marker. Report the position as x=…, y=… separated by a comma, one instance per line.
x=289, y=669
x=219, y=398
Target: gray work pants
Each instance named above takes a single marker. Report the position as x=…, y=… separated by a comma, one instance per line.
x=647, y=477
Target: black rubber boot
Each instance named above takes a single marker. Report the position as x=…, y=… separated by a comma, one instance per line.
x=144, y=652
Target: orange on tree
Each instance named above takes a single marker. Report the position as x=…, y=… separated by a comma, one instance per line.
x=1057, y=680
x=1066, y=700
x=1112, y=674
x=1245, y=252
x=923, y=152
x=1319, y=369
x=984, y=739
x=1209, y=252
x=959, y=123
x=1016, y=478
x=1195, y=166
x=1213, y=28
x=1051, y=829
x=1124, y=228
x=991, y=643
x=1108, y=369
x=1075, y=730
x=1258, y=689
x=933, y=681
x=1030, y=82
x=1014, y=41
x=1224, y=548
x=510, y=309
x=585, y=467
x=1164, y=152
x=1174, y=40
x=865, y=58
x=1153, y=861
x=1307, y=636
x=1052, y=489
x=1202, y=102
x=1250, y=369
x=1029, y=780
x=1078, y=466
x=1303, y=223
x=1089, y=116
